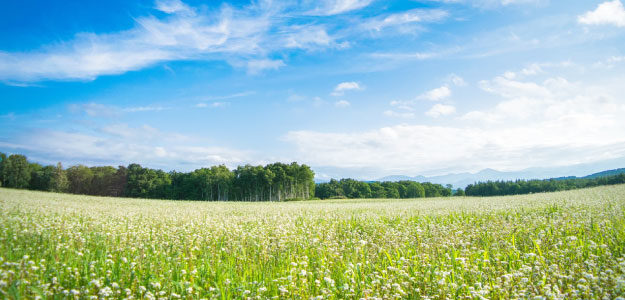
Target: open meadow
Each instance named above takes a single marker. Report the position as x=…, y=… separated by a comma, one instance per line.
x=541, y=246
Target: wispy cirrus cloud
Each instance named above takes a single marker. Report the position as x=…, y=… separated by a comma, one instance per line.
x=229, y=33
x=493, y=3
x=173, y=6
x=258, y=65
x=212, y=104
x=404, y=20
x=335, y=7
x=246, y=37
x=177, y=36
x=94, y=109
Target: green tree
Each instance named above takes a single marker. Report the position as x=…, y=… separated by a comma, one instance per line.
x=3, y=159
x=16, y=171
x=59, y=182
x=414, y=190
x=147, y=183
x=80, y=178
x=377, y=190
x=103, y=181
x=41, y=177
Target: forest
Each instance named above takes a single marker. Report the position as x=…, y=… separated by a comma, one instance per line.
x=273, y=182
x=518, y=187
x=350, y=188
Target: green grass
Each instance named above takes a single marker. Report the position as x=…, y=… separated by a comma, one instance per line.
x=555, y=246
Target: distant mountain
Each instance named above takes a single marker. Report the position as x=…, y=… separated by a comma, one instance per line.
x=402, y=177
x=605, y=173
x=461, y=180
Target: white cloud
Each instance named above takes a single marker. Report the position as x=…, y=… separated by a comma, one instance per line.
x=494, y=3
x=532, y=69
x=456, y=80
x=396, y=114
x=160, y=152
x=212, y=104
x=145, y=108
x=509, y=2
x=407, y=107
x=440, y=110
x=404, y=18
x=117, y=144
x=177, y=36
x=405, y=56
x=318, y=102
x=404, y=105
x=172, y=6
x=607, y=13
x=259, y=65
x=93, y=109
x=243, y=37
x=342, y=103
x=616, y=59
x=506, y=87
x=554, y=98
x=306, y=37
x=230, y=96
x=220, y=104
x=342, y=87
x=542, y=123
x=610, y=62
x=334, y=7
x=437, y=94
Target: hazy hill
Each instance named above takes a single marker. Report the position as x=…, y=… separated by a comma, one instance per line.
x=461, y=180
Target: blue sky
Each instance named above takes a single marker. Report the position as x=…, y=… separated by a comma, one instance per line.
x=353, y=88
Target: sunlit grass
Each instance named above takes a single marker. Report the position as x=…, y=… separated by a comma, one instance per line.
x=558, y=245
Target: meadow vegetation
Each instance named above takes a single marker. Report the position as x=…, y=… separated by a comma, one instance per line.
x=563, y=245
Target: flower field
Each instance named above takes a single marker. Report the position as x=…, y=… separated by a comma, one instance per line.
x=564, y=245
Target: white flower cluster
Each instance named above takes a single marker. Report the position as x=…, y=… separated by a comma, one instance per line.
x=566, y=245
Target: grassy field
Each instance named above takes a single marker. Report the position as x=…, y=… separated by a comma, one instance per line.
x=542, y=246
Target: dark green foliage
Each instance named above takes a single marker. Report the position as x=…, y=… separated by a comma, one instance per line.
x=59, y=182
x=350, y=188
x=273, y=182
x=16, y=171
x=3, y=159
x=501, y=188
x=80, y=178
x=147, y=183
x=48, y=178
x=41, y=177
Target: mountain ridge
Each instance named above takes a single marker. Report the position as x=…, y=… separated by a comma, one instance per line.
x=461, y=180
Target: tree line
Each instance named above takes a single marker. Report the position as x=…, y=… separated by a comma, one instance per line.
x=350, y=188
x=518, y=187
x=273, y=182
